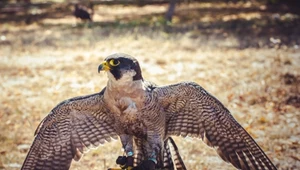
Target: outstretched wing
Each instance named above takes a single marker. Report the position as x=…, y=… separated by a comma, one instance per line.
x=191, y=111
x=70, y=128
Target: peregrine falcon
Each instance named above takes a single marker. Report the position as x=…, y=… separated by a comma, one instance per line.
x=144, y=116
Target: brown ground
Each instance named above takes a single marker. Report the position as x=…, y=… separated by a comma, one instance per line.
x=244, y=54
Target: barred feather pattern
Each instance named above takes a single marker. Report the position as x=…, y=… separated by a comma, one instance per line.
x=140, y=151
x=67, y=132
x=167, y=161
x=201, y=115
x=179, y=164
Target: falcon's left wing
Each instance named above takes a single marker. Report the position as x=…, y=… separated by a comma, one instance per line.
x=191, y=111
x=67, y=131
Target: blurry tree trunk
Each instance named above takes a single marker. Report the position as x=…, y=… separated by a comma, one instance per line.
x=26, y=1
x=170, y=12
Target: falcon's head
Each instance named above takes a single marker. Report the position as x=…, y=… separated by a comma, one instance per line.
x=120, y=66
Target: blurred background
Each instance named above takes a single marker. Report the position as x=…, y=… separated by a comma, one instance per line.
x=244, y=52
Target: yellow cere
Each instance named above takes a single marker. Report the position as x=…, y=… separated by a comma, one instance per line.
x=105, y=66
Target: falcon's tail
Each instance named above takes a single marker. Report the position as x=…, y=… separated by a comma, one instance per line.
x=179, y=164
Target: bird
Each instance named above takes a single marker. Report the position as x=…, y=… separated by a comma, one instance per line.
x=82, y=12
x=143, y=116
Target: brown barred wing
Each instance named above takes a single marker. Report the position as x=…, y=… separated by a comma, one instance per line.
x=191, y=111
x=70, y=129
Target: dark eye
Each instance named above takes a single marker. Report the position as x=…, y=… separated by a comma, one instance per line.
x=113, y=62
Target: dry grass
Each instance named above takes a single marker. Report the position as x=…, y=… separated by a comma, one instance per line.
x=42, y=65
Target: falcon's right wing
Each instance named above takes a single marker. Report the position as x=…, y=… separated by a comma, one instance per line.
x=67, y=131
x=191, y=111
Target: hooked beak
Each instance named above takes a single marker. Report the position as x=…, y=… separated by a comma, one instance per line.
x=104, y=66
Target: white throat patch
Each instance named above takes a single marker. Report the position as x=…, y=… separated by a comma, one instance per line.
x=125, y=83
x=127, y=77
